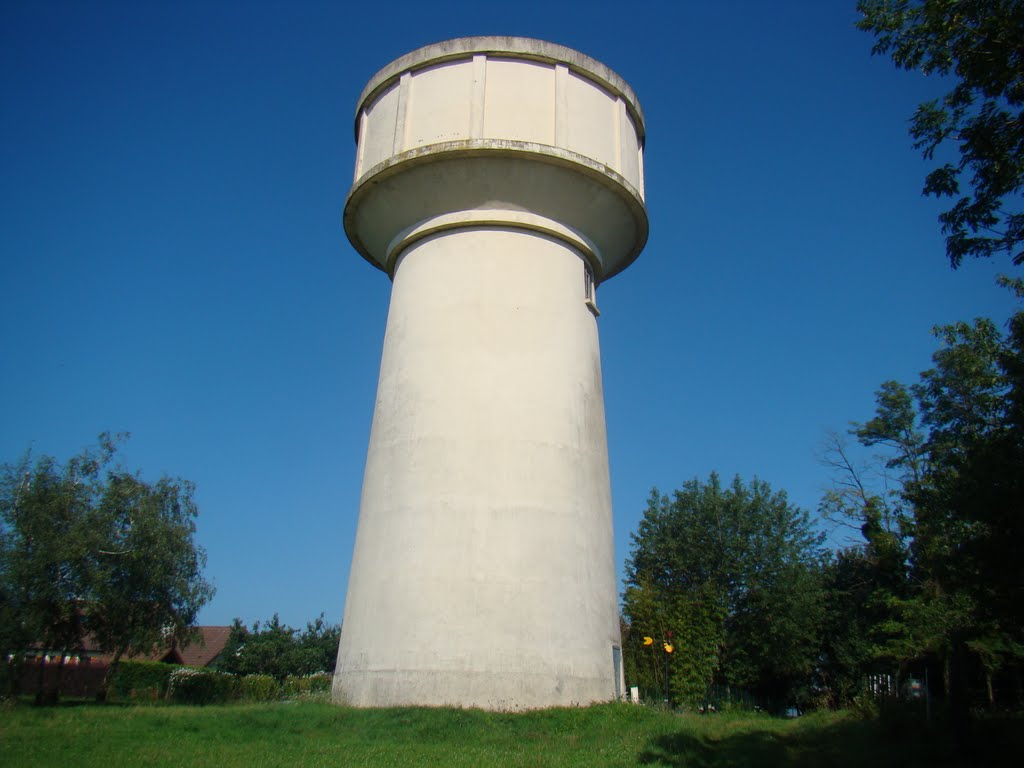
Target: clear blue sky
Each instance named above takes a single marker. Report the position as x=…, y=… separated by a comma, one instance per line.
x=172, y=262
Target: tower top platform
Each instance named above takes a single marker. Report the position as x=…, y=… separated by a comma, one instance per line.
x=499, y=131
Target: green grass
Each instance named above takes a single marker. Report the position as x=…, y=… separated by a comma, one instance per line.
x=312, y=734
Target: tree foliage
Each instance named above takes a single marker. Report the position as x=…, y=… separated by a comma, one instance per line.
x=976, y=44
x=946, y=586
x=856, y=608
x=970, y=506
x=733, y=573
x=89, y=548
x=275, y=649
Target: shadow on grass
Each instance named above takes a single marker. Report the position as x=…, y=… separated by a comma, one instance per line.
x=685, y=749
x=68, y=702
x=847, y=743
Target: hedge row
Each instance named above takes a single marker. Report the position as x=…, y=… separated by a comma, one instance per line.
x=156, y=681
x=144, y=680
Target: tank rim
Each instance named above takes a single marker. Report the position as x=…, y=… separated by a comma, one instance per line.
x=527, y=48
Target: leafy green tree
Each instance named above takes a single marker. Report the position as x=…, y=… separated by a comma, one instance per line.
x=263, y=650
x=691, y=623
x=319, y=644
x=645, y=617
x=976, y=45
x=90, y=548
x=856, y=610
x=869, y=496
x=968, y=517
x=774, y=636
x=955, y=442
x=734, y=573
x=866, y=582
x=146, y=584
x=278, y=650
x=45, y=518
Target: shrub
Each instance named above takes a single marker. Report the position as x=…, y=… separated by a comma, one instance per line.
x=275, y=649
x=258, y=688
x=864, y=706
x=9, y=673
x=312, y=686
x=156, y=681
x=142, y=680
x=191, y=685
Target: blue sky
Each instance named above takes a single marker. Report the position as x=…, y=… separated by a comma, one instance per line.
x=172, y=262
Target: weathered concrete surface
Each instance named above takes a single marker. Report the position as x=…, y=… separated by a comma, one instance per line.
x=496, y=179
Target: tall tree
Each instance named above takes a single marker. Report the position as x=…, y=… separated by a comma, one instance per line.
x=857, y=607
x=45, y=512
x=977, y=45
x=970, y=507
x=866, y=581
x=90, y=548
x=955, y=440
x=733, y=573
x=146, y=582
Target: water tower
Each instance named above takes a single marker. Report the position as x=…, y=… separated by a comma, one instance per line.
x=498, y=182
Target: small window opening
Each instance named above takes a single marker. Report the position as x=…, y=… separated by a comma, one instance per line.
x=617, y=670
x=590, y=289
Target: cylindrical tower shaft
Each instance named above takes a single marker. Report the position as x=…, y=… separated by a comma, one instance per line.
x=484, y=571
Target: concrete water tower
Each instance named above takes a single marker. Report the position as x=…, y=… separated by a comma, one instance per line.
x=498, y=181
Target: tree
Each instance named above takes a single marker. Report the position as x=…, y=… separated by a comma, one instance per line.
x=856, y=609
x=275, y=649
x=90, y=548
x=867, y=582
x=955, y=441
x=319, y=643
x=968, y=507
x=976, y=43
x=44, y=518
x=692, y=621
x=734, y=573
x=146, y=585
x=855, y=500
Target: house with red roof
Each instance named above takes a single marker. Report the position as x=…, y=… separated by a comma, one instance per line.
x=82, y=670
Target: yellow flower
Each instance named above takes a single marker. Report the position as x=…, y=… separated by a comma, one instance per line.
x=648, y=641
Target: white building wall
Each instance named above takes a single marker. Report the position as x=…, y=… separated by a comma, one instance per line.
x=439, y=103
x=379, y=140
x=484, y=571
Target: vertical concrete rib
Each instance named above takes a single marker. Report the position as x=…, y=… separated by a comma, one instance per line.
x=401, y=120
x=360, y=145
x=561, y=105
x=476, y=109
x=619, y=116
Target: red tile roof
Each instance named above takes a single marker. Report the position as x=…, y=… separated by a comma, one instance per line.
x=200, y=652
x=204, y=649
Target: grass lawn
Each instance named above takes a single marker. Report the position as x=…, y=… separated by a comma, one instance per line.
x=312, y=734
